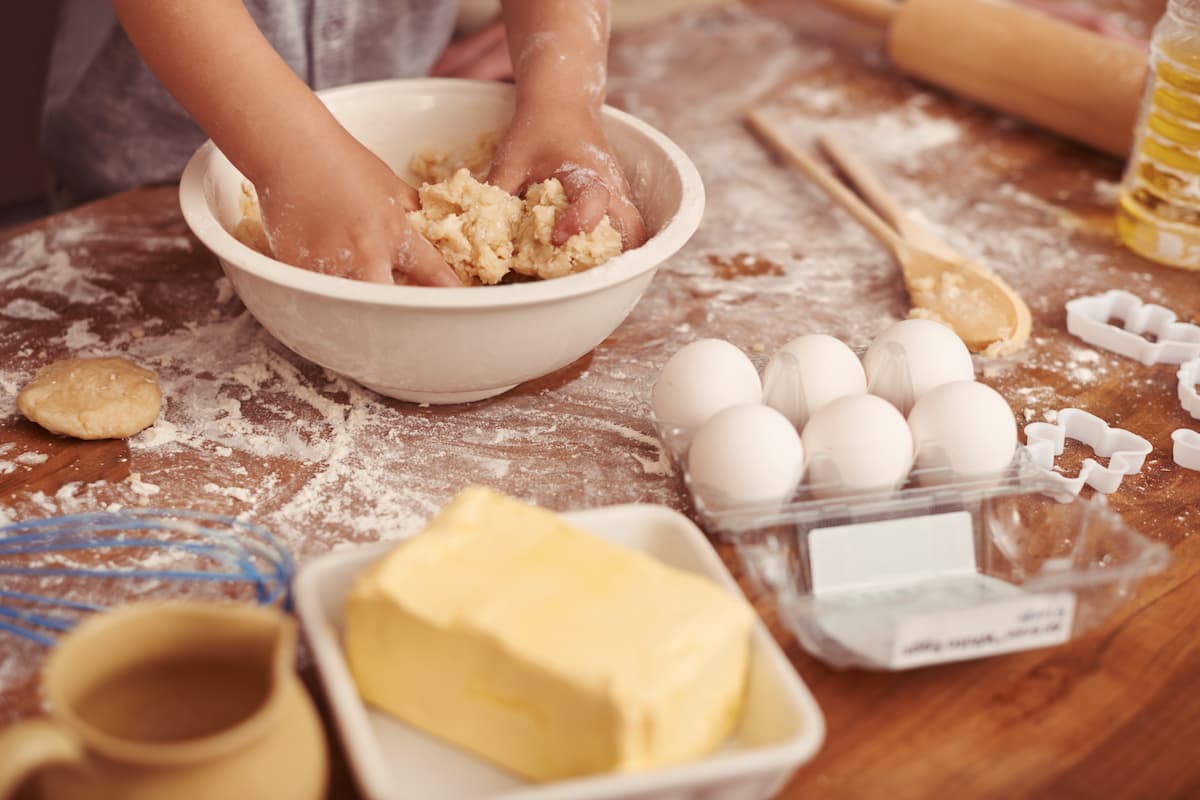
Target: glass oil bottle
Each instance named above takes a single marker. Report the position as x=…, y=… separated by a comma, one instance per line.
x=1158, y=214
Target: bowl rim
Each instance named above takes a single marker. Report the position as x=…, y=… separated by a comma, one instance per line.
x=627, y=266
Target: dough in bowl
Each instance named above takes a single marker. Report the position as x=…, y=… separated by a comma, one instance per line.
x=484, y=233
x=535, y=253
x=92, y=398
x=472, y=225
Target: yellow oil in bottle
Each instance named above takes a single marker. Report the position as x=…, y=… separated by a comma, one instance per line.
x=1158, y=213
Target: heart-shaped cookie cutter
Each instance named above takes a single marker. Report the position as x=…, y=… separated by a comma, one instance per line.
x=1126, y=451
x=1187, y=448
x=1189, y=376
x=1089, y=318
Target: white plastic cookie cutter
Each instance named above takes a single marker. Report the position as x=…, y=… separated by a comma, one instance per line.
x=1189, y=376
x=1126, y=451
x=1187, y=448
x=1093, y=319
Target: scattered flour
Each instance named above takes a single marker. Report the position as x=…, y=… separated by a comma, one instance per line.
x=236, y=492
x=142, y=488
x=27, y=309
x=250, y=429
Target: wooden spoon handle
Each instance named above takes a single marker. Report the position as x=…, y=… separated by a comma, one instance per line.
x=874, y=12
x=821, y=176
x=880, y=199
x=867, y=183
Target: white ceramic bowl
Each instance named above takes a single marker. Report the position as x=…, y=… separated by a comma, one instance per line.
x=438, y=345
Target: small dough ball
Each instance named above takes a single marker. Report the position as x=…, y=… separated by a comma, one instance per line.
x=536, y=253
x=92, y=398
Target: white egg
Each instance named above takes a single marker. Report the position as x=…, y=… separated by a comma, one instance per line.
x=748, y=454
x=855, y=443
x=913, y=356
x=965, y=426
x=808, y=372
x=702, y=378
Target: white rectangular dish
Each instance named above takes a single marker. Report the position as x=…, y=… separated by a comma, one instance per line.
x=781, y=729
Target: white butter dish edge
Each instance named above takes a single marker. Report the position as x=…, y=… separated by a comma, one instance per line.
x=739, y=771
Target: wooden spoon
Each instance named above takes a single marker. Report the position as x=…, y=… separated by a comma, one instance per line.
x=975, y=302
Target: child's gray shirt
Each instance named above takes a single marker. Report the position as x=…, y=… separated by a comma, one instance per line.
x=109, y=125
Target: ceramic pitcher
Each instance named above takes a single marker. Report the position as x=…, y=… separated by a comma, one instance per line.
x=171, y=701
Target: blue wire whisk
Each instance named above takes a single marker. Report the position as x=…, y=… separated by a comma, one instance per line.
x=217, y=549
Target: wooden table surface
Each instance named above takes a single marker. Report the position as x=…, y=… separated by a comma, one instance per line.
x=250, y=428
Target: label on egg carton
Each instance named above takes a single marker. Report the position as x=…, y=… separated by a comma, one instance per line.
x=1005, y=626
x=908, y=592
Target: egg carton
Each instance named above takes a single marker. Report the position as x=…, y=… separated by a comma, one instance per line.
x=778, y=460
x=979, y=549
x=710, y=375
x=942, y=568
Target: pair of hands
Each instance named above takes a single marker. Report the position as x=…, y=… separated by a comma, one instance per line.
x=330, y=205
x=345, y=215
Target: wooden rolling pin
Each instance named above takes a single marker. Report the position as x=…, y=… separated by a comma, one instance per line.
x=1060, y=76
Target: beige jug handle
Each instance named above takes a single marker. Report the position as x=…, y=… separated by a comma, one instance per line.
x=28, y=746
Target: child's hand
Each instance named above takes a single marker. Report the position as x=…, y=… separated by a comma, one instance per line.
x=343, y=214
x=570, y=146
x=328, y=204
x=559, y=51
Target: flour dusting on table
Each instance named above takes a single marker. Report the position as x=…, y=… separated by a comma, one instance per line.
x=250, y=429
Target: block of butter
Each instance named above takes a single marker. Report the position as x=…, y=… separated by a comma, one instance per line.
x=544, y=648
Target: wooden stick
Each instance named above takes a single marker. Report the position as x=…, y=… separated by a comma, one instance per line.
x=1060, y=76
x=873, y=12
x=879, y=198
x=824, y=178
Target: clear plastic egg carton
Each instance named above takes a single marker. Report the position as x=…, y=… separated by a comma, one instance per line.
x=940, y=569
x=970, y=550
